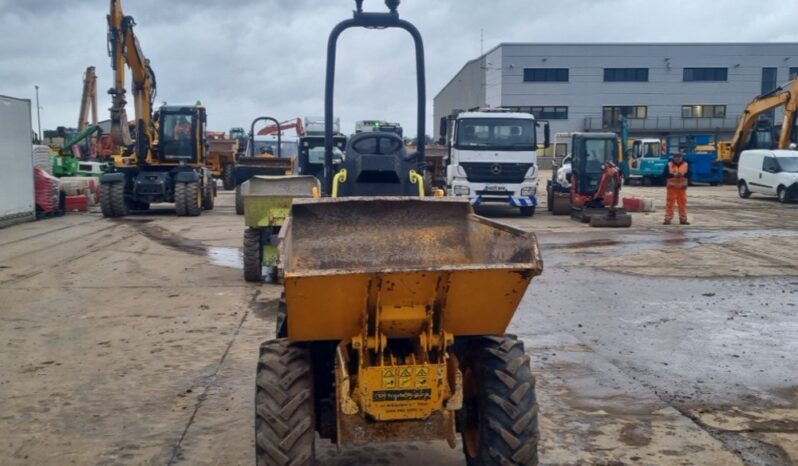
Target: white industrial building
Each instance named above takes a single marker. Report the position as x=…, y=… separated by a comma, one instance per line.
x=662, y=89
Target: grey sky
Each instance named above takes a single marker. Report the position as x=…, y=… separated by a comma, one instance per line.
x=249, y=58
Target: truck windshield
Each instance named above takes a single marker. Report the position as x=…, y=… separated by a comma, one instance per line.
x=788, y=164
x=496, y=134
x=316, y=155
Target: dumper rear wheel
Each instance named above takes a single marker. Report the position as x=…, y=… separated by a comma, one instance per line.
x=500, y=418
x=239, y=201
x=284, y=405
x=253, y=255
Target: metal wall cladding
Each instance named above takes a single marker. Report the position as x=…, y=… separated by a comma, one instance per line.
x=16, y=176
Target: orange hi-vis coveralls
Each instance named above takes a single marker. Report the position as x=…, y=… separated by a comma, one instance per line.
x=677, y=190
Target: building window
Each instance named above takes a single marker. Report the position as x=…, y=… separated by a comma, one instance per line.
x=793, y=72
x=550, y=113
x=625, y=74
x=703, y=111
x=706, y=74
x=546, y=74
x=612, y=115
x=768, y=84
x=544, y=113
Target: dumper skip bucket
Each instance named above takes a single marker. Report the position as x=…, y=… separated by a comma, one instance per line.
x=344, y=256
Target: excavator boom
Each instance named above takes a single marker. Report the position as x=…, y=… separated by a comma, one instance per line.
x=125, y=51
x=88, y=100
x=785, y=96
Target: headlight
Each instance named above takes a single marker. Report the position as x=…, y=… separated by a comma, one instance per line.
x=529, y=191
x=462, y=191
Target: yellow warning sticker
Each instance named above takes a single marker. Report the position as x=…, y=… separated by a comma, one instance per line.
x=422, y=376
x=389, y=378
x=404, y=377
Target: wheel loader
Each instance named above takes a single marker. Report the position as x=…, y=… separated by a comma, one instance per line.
x=395, y=307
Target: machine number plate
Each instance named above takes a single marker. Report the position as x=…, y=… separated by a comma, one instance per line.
x=495, y=187
x=402, y=395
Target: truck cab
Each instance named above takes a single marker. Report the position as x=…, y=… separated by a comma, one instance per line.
x=492, y=158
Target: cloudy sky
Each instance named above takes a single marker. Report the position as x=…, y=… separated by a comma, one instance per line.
x=248, y=58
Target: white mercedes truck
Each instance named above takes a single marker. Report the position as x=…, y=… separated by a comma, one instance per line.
x=492, y=157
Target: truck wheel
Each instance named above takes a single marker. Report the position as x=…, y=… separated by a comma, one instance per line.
x=208, y=194
x=782, y=194
x=188, y=202
x=112, y=200
x=500, y=419
x=742, y=190
x=253, y=255
x=527, y=211
x=229, y=178
x=284, y=405
x=239, y=201
x=105, y=200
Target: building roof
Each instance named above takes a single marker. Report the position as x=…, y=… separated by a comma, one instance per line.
x=604, y=44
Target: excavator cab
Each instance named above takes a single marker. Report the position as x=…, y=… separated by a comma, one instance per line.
x=590, y=155
x=181, y=134
x=596, y=180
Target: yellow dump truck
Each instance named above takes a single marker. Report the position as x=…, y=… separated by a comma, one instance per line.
x=222, y=160
x=267, y=201
x=392, y=326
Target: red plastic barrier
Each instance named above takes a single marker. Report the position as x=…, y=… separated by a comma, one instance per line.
x=79, y=203
x=46, y=187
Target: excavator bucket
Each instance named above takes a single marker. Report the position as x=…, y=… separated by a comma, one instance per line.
x=406, y=256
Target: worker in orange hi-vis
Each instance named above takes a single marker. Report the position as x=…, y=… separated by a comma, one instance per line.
x=678, y=176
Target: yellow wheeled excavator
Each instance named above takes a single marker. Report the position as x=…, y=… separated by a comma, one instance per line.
x=165, y=160
x=392, y=326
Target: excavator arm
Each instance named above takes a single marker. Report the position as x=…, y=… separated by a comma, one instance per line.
x=285, y=125
x=125, y=52
x=88, y=100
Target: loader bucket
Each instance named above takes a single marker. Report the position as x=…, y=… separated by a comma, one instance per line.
x=267, y=199
x=404, y=256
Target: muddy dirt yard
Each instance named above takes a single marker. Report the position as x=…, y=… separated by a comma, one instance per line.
x=134, y=341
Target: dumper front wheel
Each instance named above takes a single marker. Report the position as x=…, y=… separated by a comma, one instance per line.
x=284, y=406
x=239, y=201
x=253, y=255
x=500, y=418
x=229, y=178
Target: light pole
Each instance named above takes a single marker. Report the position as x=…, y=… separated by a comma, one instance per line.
x=38, y=114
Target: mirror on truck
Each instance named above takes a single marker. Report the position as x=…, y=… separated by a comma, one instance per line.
x=546, y=135
x=442, y=130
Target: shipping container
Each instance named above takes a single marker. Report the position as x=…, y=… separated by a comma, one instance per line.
x=16, y=162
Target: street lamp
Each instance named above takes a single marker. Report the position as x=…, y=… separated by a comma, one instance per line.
x=38, y=114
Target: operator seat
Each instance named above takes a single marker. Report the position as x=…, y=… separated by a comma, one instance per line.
x=378, y=164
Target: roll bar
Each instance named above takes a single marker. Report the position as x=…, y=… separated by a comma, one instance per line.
x=252, y=135
x=371, y=20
